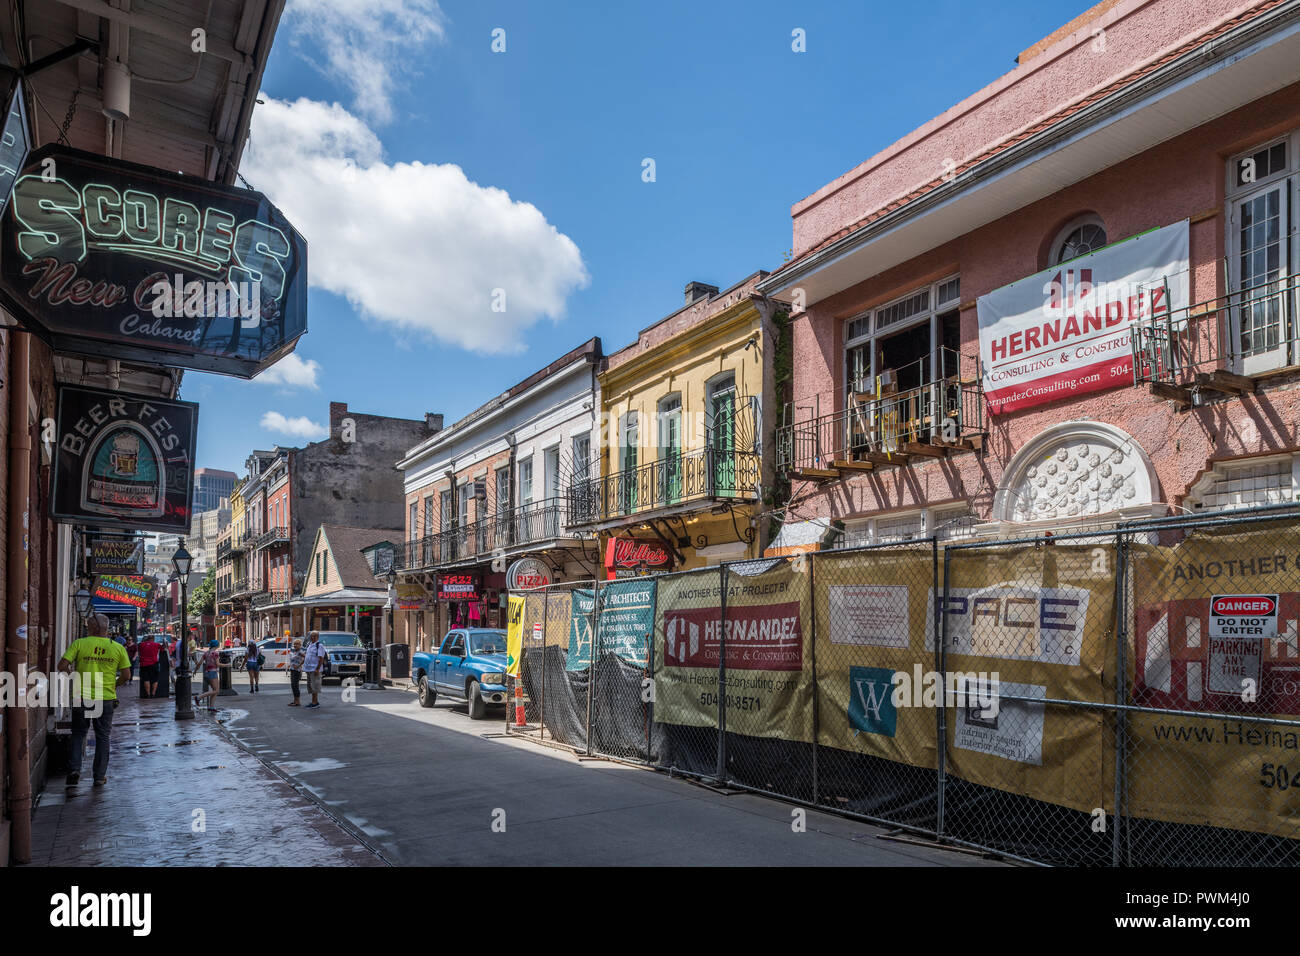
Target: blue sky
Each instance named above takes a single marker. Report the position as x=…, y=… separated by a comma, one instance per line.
x=391, y=127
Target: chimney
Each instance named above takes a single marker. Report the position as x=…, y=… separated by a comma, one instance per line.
x=699, y=290
x=338, y=412
x=433, y=421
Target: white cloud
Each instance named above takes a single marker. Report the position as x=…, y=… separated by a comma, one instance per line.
x=415, y=245
x=300, y=427
x=365, y=43
x=292, y=371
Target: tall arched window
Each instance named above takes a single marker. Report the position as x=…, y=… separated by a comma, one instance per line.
x=1079, y=237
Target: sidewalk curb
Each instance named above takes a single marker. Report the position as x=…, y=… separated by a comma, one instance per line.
x=302, y=791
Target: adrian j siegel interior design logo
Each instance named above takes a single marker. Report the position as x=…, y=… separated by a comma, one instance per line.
x=76, y=909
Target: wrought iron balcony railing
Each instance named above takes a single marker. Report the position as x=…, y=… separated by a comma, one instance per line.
x=1220, y=344
x=882, y=430
x=263, y=598
x=272, y=536
x=238, y=544
x=533, y=522
x=223, y=550
x=709, y=473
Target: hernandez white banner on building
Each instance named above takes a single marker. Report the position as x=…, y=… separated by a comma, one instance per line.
x=1065, y=331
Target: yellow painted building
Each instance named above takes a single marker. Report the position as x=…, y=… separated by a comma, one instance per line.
x=683, y=461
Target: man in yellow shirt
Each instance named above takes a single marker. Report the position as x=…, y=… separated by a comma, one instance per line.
x=101, y=664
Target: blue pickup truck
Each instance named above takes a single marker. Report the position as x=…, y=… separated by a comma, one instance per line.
x=469, y=665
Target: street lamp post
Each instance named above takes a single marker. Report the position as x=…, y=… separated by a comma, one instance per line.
x=184, y=701
x=85, y=600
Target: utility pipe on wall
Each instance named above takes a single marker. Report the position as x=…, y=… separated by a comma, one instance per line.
x=20, y=448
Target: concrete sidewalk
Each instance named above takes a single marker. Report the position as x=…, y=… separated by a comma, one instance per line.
x=181, y=793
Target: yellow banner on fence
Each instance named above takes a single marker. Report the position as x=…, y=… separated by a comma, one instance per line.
x=1040, y=622
x=1216, y=633
x=768, y=691
x=514, y=633
x=872, y=616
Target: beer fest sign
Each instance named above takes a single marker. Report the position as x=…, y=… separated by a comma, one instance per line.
x=124, y=461
x=1065, y=331
x=117, y=260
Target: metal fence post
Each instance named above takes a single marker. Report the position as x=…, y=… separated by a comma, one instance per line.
x=541, y=704
x=591, y=664
x=722, y=674
x=816, y=705
x=647, y=706
x=1121, y=689
x=941, y=664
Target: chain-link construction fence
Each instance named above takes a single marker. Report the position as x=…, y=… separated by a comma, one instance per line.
x=1121, y=697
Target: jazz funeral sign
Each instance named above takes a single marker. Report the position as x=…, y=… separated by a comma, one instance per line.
x=113, y=259
x=1066, y=331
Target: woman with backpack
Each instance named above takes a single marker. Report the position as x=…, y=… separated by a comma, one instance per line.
x=253, y=659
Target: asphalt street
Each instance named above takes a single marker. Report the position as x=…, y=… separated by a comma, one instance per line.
x=431, y=787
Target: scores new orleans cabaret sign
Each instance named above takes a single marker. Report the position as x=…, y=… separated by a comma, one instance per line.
x=124, y=461
x=113, y=259
x=1065, y=331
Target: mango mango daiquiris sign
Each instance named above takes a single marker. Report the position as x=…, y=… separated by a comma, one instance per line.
x=117, y=260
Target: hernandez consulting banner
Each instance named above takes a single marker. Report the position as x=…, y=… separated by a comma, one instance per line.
x=768, y=689
x=1040, y=622
x=1065, y=331
x=1216, y=632
x=872, y=617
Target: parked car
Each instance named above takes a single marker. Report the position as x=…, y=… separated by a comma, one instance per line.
x=469, y=665
x=276, y=654
x=345, y=655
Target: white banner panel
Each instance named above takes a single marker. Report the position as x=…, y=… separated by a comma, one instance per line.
x=1065, y=331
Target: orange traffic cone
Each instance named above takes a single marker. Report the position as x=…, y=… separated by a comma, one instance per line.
x=519, y=704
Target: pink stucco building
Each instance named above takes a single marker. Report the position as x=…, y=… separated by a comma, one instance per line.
x=969, y=304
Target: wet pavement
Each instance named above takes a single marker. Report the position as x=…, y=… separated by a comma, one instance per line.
x=183, y=793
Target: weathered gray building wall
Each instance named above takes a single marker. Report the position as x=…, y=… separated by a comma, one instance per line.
x=353, y=483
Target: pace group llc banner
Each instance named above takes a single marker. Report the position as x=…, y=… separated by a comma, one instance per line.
x=1024, y=625
x=1064, y=331
x=761, y=637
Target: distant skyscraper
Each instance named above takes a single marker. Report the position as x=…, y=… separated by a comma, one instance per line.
x=210, y=486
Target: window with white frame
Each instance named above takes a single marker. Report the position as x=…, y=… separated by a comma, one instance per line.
x=906, y=343
x=503, y=489
x=581, y=458
x=526, y=481
x=1079, y=237
x=1262, y=186
x=1247, y=484
x=945, y=522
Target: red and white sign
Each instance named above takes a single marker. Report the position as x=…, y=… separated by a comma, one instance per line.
x=764, y=637
x=628, y=554
x=457, y=587
x=1065, y=331
x=1240, y=626
x=527, y=573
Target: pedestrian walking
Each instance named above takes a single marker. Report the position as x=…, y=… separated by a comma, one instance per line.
x=132, y=652
x=101, y=665
x=253, y=664
x=211, y=661
x=314, y=664
x=297, y=656
x=149, y=653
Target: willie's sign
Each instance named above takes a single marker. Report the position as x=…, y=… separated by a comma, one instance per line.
x=117, y=260
x=124, y=461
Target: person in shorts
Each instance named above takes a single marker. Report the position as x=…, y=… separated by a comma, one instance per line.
x=210, y=662
x=150, y=669
x=253, y=664
x=314, y=665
